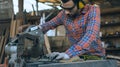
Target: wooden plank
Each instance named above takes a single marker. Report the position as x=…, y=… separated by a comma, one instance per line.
x=113, y=57
x=1, y=38
x=19, y=23
x=1, y=45
x=47, y=44
x=11, y=26
x=4, y=43
x=13, y=29
x=111, y=10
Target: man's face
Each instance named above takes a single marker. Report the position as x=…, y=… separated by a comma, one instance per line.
x=70, y=8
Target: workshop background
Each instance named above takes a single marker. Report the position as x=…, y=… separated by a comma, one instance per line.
x=10, y=21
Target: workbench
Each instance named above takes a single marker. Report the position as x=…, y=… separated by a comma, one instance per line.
x=88, y=63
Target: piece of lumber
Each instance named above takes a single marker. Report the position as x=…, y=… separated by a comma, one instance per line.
x=12, y=29
x=110, y=10
x=47, y=44
x=113, y=57
x=11, y=26
x=3, y=44
x=19, y=23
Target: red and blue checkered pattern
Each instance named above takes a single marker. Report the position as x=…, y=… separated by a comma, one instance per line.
x=82, y=31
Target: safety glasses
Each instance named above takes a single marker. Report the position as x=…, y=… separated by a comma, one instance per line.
x=64, y=1
x=69, y=9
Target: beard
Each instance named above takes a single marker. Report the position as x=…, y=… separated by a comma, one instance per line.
x=73, y=15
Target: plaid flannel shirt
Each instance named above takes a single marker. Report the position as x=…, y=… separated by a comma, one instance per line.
x=82, y=31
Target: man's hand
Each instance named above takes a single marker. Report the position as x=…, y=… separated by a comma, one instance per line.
x=39, y=26
x=58, y=56
x=63, y=56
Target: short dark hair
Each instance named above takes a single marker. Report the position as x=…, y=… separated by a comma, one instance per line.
x=75, y=1
x=64, y=1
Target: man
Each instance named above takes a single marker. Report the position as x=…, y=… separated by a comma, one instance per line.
x=82, y=24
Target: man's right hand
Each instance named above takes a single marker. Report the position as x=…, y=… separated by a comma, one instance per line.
x=39, y=26
x=58, y=56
